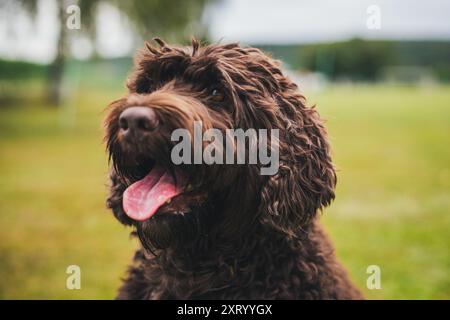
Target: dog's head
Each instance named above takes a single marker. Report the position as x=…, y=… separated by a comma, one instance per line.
x=221, y=87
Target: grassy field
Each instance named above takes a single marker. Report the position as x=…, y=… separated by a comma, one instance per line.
x=391, y=146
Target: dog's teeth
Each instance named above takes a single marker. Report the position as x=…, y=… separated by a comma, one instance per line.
x=168, y=201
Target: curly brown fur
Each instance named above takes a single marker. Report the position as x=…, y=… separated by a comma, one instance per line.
x=241, y=235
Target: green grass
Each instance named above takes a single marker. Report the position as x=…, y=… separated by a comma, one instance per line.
x=392, y=209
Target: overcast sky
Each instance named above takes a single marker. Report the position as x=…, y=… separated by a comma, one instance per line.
x=248, y=21
x=286, y=21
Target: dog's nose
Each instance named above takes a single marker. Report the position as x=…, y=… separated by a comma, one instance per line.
x=138, y=120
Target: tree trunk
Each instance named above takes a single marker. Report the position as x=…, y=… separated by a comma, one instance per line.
x=56, y=69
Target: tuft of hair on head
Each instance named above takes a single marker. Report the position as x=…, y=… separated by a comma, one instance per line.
x=151, y=49
x=163, y=47
x=160, y=42
x=195, y=45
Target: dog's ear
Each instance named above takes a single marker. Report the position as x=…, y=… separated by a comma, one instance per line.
x=306, y=177
x=114, y=202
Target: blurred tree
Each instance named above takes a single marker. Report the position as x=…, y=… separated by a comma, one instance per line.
x=165, y=18
x=355, y=59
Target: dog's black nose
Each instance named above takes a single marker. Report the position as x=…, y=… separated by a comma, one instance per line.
x=138, y=120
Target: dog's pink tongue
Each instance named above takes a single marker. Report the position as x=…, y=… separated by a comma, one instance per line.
x=142, y=199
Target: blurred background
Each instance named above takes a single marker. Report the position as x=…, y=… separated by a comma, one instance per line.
x=379, y=72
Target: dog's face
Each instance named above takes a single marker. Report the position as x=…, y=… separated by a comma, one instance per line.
x=222, y=87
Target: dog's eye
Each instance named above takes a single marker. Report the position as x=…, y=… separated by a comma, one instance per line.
x=217, y=95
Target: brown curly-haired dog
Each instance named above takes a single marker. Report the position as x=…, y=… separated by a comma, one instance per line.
x=221, y=231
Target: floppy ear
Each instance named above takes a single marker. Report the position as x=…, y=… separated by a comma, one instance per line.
x=306, y=177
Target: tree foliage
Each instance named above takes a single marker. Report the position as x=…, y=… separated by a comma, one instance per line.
x=148, y=18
